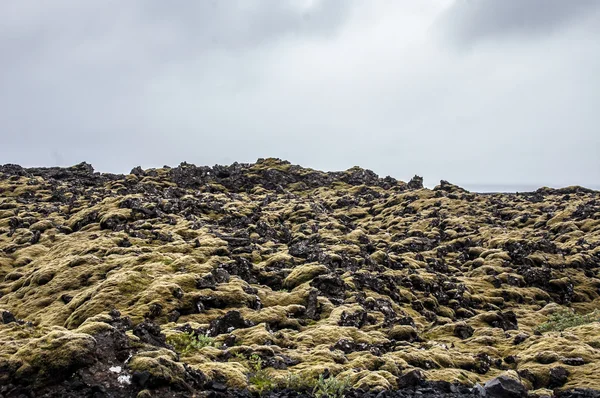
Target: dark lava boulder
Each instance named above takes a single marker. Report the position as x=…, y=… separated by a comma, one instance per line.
x=504, y=387
x=558, y=377
x=416, y=182
x=227, y=323
x=411, y=379
x=150, y=333
x=463, y=330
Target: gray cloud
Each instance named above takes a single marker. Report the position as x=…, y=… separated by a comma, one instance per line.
x=469, y=21
x=240, y=24
x=85, y=69
x=324, y=83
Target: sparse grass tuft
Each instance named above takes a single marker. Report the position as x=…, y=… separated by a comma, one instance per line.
x=237, y=357
x=294, y=382
x=564, y=319
x=260, y=379
x=189, y=342
x=331, y=387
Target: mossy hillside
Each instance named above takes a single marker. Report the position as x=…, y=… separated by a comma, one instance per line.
x=327, y=268
x=30, y=358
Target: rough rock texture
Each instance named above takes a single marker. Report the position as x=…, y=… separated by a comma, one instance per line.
x=207, y=280
x=504, y=387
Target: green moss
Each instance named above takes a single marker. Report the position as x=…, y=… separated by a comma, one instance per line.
x=303, y=274
x=54, y=355
x=94, y=328
x=565, y=318
x=402, y=333
x=235, y=374
x=161, y=364
x=397, y=239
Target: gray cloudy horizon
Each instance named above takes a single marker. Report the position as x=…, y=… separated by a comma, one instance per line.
x=495, y=92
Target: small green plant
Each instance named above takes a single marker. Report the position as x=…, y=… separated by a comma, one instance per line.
x=296, y=383
x=565, y=318
x=331, y=387
x=189, y=342
x=238, y=356
x=260, y=379
x=256, y=362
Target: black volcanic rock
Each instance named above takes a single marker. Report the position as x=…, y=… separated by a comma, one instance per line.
x=504, y=387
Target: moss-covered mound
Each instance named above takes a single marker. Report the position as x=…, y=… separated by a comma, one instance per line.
x=270, y=276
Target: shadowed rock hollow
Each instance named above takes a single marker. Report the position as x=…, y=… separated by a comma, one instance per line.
x=239, y=279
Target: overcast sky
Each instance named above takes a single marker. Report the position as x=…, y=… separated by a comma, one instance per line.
x=471, y=91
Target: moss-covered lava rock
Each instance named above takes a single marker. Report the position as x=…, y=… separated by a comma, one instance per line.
x=269, y=275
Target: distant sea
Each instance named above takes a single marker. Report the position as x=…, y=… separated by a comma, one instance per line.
x=485, y=188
